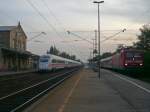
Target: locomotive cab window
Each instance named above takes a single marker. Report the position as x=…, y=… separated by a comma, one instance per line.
x=43, y=60
x=129, y=55
x=54, y=61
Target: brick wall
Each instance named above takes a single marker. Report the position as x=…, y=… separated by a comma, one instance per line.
x=18, y=39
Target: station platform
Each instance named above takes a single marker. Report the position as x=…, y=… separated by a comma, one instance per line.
x=84, y=92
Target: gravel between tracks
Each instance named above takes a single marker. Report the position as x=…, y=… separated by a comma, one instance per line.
x=15, y=83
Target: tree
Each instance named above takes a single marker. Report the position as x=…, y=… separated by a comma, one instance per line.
x=65, y=55
x=73, y=57
x=120, y=46
x=144, y=38
x=94, y=51
x=56, y=51
x=53, y=50
x=97, y=57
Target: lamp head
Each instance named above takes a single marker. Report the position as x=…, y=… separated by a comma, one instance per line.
x=124, y=30
x=98, y=2
x=68, y=32
x=43, y=33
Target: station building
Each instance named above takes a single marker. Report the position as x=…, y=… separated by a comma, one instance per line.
x=13, y=53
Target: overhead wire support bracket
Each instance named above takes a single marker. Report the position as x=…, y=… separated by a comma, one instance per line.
x=79, y=37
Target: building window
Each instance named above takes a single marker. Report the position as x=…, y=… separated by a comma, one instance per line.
x=20, y=44
x=13, y=43
x=24, y=45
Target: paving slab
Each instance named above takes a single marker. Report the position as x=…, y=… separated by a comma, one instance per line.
x=84, y=92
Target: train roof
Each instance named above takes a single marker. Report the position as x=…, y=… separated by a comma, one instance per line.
x=60, y=58
x=132, y=49
x=105, y=59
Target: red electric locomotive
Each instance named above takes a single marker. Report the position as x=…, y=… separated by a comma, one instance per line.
x=126, y=58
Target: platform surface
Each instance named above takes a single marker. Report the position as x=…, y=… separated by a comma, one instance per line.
x=84, y=92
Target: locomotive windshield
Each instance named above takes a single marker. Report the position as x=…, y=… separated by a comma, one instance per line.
x=135, y=55
x=43, y=60
x=129, y=54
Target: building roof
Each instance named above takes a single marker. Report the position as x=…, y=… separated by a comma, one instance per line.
x=7, y=28
x=10, y=28
x=14, y=51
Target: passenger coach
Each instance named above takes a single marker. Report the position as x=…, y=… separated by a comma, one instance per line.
x=50, y=62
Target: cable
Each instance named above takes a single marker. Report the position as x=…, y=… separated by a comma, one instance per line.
x=36, y=36
x=80, y=37
x=113, y=35
x=43, y=17
x=52, y=14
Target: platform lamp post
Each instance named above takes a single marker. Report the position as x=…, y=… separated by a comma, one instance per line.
x=99, y=64
x=93, y=47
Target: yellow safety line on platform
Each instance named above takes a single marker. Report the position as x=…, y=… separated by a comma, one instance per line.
x=61, y=109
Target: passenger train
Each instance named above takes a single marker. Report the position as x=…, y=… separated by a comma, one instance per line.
x=50, y=62
x=127, y=58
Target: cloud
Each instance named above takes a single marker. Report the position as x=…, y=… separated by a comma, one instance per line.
x=135, y=10
x=74, y=15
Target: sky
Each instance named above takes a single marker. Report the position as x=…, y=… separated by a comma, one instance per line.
x=55, y=18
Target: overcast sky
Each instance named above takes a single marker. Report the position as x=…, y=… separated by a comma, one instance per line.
x=78, y=16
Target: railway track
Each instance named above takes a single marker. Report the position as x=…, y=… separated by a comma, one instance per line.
x=13, y=77
x=15, y=83
x=19, y=100
x=18, y=76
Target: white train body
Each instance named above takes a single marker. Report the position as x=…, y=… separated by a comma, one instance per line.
x=52, y=62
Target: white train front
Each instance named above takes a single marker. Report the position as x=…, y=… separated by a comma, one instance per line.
x=50, y=62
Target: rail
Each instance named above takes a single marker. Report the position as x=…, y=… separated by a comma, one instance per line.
x=20, y=99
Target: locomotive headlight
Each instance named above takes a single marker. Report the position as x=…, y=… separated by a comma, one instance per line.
x=126, y=64
x=141, y=64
